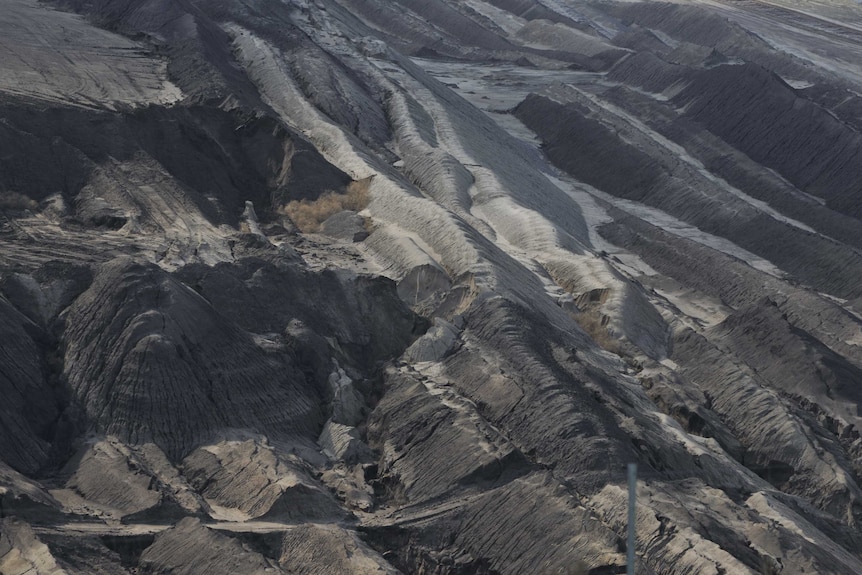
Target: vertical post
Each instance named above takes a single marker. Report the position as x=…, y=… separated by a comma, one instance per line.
x=630, y=547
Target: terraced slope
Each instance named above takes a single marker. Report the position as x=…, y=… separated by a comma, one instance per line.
x=363, y=286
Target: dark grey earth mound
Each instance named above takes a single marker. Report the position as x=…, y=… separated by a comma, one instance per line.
x=151, y=361
x=379, y=287
x=29, y=407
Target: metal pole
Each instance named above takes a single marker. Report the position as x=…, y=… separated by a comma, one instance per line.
x=630, y=547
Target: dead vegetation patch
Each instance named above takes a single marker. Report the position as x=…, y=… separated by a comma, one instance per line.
x=595, y=324
x=307, y=215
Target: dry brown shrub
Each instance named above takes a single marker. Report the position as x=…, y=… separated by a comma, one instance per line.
x=10, y=200
x=308, y=215
x=592, y=323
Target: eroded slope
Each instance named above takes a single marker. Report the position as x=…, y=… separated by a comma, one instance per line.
x=404, y=285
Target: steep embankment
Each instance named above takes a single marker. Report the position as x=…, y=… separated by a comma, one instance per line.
x=353, y=286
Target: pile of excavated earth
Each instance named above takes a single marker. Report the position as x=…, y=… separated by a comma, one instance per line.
x=402, y=286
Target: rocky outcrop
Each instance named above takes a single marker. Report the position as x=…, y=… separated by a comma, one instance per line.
x=346, y=226
x=104, y=475
x=21, y=552
x=437, y=342
x=419, y=418
x=242, y=480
